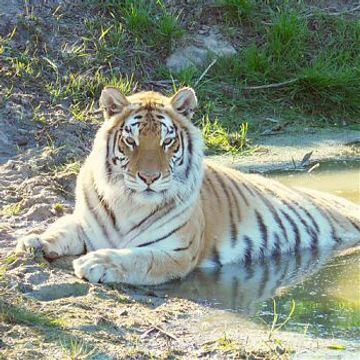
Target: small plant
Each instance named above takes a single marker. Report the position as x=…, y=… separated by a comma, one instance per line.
x=70, y=168
x=217, y=138
x=59, y=208
x=237, y=9
x=275, y=326
x=76, y=349
x=12, y=314
x=12, y=209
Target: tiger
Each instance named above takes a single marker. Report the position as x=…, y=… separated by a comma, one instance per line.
x=149, y=207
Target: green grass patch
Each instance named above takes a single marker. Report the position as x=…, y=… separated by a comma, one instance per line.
x=297, y=69
x=11, y=209
x=126, y=43
x=12, y=314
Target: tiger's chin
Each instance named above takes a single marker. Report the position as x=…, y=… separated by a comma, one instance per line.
x=149, y=196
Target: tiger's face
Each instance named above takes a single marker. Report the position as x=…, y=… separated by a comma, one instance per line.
x=150, y=140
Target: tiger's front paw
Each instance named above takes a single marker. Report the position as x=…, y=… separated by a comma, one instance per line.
x=97, y=267
x=32, y=243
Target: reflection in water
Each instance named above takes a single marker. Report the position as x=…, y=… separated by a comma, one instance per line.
x=326, y=289
x=316, y=281
x=240, y=287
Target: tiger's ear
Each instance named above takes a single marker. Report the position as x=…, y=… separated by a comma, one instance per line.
x=184, y=102
x=112, y=102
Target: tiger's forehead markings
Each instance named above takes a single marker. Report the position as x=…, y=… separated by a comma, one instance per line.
x=146, y=122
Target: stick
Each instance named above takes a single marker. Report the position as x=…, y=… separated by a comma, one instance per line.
x=166, y=333
x=160, y=82
x=271, y=86
x=205, y=72
x=160, y=330
x=348, y=11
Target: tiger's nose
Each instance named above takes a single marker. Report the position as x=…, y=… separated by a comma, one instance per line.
x=149, y=177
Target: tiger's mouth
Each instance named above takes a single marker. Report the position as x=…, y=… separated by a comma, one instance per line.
x=149, y=191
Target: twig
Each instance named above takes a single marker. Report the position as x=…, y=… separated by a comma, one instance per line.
x=205, y=72
x=171, y=336
x=160, y=330
x=270, y=86
x=160, y=82
x=313, y=168
x=348, y=11
x=147, y=332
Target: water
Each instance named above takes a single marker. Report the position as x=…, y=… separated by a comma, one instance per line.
x=324, y=287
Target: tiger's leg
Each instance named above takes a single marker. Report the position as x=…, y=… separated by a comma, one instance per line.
x=145, y=266
x=63, y=237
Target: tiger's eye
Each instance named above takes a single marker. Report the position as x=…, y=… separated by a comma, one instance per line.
x=130, y=141
x=167, y=141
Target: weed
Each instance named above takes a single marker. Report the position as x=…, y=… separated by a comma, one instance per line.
x=13, y=314
x=76, y=349
x=59, y=208
x=12, y=209
x=275, y=326
x=237, y=9
x=69, y=168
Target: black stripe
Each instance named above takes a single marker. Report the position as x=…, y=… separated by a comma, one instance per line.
x=182, y=149
x=264, y=233
x=327, y=215
x=314, y=223
x=273, y=211
x=175, y=215
x=216, y=256
x=213, y=189
x=115, y=141
x=277, y=246
x=106, y=207
x=249, y=250
x=294, y=228
x=233, y=229
x=264, y=280
x=353, y=223
x=248, y=189
x=163, y=237
x=189, y=154
x=185, y=247
x=97, y=217
x=234, y=198
x=156, y=210
x=88, y=245
x=107, y=162
x=309, y=230
x=149, y=221
x=238, y=189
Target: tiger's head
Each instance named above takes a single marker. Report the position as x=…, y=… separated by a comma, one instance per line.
x=151, y=144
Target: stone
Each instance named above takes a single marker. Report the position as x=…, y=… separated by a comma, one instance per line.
x=206, y=45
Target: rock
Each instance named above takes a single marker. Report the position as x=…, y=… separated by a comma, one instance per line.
x=39, y=212
x=37, y=277
x=22, y=140
x=208, y=44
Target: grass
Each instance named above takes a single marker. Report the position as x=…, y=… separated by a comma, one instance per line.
x=76, y=349
x=125, y=44
x=12, y=314
x=11, y=209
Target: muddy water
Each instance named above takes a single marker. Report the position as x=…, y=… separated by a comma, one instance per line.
x=324, y=287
